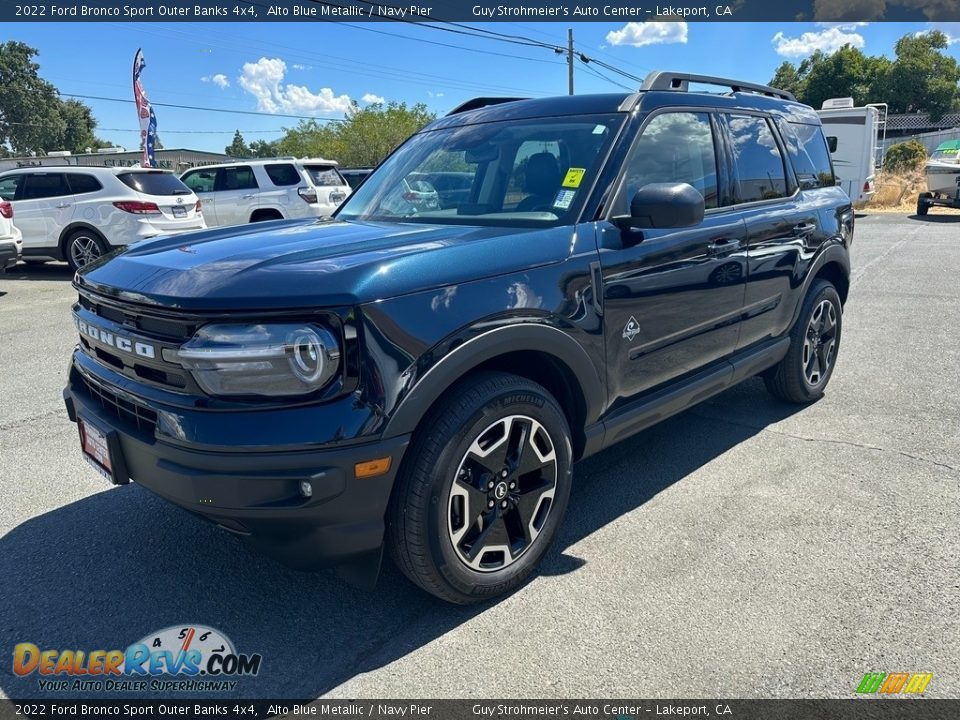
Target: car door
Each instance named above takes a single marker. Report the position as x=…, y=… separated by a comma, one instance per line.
x=782, y=225
x=237, y=195
x=672, y=298
x=203, y=182
x=43, y=207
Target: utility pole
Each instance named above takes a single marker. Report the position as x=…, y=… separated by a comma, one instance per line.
x=570, y=60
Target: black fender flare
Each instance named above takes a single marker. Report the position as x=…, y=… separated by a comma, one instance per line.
x=451, y=367
x=835, y=252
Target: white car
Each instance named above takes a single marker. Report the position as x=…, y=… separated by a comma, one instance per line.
x=275, y=189
x=11, y=240
x=77, y=213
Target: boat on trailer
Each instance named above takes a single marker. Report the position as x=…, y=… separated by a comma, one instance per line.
x=943, y=178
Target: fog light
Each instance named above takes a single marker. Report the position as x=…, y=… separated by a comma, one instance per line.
x=306, y=489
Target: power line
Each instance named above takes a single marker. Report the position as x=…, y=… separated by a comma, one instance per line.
x=207, y=109
x=597, y=73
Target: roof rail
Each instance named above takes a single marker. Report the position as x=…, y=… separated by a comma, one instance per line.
x=665, y=80
x=480, y=102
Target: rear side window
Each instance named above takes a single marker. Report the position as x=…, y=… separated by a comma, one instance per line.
x=8, y=187
x=237, y=178
x=201, y=181
x=154, y=183
x=675, y=147
x=760, y=169
x=47, y=185
x=282, y=174
x=324, y=175
x=83, y=183
x=809, y=154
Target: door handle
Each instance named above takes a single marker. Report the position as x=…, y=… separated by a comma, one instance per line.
x=247, y=197
x=62, y=206
x=722, y=247
x=804, y=229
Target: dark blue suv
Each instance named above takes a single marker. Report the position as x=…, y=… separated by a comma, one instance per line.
x=421, y=372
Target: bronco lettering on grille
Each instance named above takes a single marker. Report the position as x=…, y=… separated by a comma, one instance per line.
x=124, y=344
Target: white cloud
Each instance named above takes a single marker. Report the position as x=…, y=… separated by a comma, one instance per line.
x=828, y=40
x=264, y=80
x=950, y=29
x=372, y=99
x=432, y=94
x=649, y=33
x=220, y=80
x=298, y=66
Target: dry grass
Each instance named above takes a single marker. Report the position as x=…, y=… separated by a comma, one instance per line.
x=897, y=191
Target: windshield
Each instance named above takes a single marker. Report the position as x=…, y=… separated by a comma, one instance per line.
x=526, y=173
x=946, y=154
x=154, y=183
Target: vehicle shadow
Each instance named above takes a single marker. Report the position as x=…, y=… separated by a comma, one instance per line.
x=105, y=571
x=39, y=271
x=935, y=218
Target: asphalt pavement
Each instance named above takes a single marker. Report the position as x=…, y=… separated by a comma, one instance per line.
x=745, y=548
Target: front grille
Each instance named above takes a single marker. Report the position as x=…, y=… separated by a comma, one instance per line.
x=126, y=411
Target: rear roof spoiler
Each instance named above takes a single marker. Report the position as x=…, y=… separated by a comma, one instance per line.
x=680, y=82
x=481, y=102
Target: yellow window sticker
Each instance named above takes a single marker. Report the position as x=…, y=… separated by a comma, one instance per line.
x=574, y=177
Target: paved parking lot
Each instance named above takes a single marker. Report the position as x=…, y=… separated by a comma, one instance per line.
x=744, y=548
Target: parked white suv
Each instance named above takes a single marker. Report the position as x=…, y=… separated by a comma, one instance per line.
x=11, y=241
x=270, y=189
x=77, y=213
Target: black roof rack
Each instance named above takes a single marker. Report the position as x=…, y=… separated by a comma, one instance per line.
x=482, y=102
x=665, y=80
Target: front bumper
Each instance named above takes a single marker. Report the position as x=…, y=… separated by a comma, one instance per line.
x=254, y=494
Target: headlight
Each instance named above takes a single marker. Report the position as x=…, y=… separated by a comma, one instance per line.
x=272, y=360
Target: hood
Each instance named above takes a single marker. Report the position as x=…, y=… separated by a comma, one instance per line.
x=309, y=264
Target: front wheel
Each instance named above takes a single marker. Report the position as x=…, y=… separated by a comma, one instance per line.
x=83, y=247
x=805, y=370
x=483, y=490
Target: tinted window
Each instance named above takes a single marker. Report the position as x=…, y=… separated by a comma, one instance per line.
x=808, y=152
x=83, y=183
x=282, y=174
x=760, y=169
x=324, y=175
x=201, y=180
x=673, y=148
x=355, y=177
x=47, y=185
x=154, y=183
x=237, y=178
x=8, y=186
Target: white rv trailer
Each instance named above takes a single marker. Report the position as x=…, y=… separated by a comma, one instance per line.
x=853, y=136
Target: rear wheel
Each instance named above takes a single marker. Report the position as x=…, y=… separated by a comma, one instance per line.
x=483, y=490
x=83, y=247
x=923, y=205
x=805, y=370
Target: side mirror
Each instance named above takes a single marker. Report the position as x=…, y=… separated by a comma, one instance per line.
x=663, y=205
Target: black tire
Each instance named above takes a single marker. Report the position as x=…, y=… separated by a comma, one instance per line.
x=426, y=505
x=922, y=206
x=794, y=378
x=83, y=247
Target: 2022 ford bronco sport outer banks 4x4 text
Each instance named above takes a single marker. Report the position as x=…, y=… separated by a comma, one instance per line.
x=421, y=376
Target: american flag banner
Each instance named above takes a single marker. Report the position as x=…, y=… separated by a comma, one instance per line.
x=148, y=120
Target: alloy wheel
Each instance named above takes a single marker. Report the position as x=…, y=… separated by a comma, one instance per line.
x=84, y=249
x=820, y=342
x=502, y=493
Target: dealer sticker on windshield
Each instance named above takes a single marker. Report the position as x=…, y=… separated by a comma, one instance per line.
x=564, y=199
x=574, y=177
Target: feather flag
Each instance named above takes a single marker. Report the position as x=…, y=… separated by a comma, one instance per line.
x=145, y=114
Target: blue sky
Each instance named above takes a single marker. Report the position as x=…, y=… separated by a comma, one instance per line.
x=315, y=69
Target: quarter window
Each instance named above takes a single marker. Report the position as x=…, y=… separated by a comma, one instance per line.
x=8, y=187
x=761, y=173
x=282, y=175
x=675, y=147
x=237, y=178
x=808, y=152
x=47, y=185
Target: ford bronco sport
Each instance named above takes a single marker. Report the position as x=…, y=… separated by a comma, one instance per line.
x=421, y=376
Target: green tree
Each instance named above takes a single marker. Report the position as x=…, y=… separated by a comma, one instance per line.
x=908, y=155
x=238, y=148
x=79, y=126
x=365, y=137
x=264, y=148
x=30, y=119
